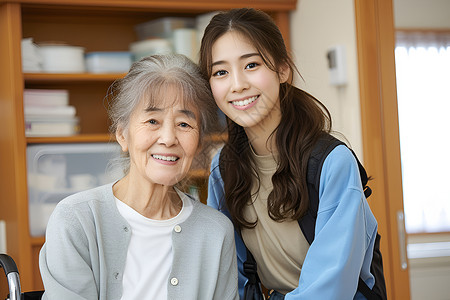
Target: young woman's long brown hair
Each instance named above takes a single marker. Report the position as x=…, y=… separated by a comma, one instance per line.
x=303, y=119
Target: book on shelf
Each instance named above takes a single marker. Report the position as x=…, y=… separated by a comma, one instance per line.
x=35, y=127
x=48, y=113
x=45, y=97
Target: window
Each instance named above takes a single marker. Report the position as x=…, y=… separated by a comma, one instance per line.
x=423, y=90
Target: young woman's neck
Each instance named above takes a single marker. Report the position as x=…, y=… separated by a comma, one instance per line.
x=262, y=136
x=262, y=142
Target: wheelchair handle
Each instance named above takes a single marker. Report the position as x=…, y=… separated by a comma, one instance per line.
x=11, y=272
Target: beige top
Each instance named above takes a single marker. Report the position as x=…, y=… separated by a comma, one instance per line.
x=279, y=248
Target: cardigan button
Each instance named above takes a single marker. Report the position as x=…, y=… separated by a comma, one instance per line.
x=177, y=228
x=174, y=281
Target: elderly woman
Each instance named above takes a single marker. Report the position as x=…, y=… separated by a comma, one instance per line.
x=141, y=237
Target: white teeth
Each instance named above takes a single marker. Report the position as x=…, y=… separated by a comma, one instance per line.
x=244, y=102
x=166, y=158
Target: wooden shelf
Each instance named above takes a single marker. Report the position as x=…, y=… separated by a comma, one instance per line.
x=200, y=173
x=82, y=138
x=217, y=137
x=37, y=241
x=164, y=6
x=74, y=77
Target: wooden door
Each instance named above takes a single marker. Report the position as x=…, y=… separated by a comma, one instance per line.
x=376, y=44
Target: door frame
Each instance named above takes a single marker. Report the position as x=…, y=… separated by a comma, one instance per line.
x=380, y=135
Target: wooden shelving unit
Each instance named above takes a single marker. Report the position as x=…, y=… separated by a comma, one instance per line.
x=41, y=78
x=96, y=25
x=80, y=138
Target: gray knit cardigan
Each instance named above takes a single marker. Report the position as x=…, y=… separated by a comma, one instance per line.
x=86, y=246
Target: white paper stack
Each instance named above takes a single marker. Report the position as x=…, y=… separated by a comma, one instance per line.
x=31, y=58
x=48, y=113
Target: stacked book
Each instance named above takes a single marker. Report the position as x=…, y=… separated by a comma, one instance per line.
x=48, y=113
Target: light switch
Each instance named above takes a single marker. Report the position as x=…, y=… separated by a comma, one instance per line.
x=337, y=65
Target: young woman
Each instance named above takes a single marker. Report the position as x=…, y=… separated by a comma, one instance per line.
x=259, y=177
x=141, y=237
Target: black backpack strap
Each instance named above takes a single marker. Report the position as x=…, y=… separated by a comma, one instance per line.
x=323, y=147
x=252, y=289
x=250, y=268
x=376, y=268
x=364, y=178
x=366, y=291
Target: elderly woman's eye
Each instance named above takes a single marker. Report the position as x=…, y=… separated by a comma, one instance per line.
x=153, y=121
x=185, y=125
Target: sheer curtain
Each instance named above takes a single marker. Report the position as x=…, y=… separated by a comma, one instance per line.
x=423, y=88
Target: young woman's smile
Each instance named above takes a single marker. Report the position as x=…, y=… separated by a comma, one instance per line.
x=245, y=103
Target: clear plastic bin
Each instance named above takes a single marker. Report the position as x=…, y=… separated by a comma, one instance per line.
x=108, y=62
x=56, y=171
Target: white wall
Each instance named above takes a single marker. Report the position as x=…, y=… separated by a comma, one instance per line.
x=422, y=13
x=315, y=26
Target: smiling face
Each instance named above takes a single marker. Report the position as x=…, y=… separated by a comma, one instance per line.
x=162, y=140
x=244, y=88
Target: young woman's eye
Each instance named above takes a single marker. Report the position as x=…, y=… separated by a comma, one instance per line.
x=251, y=65
x=219, y=73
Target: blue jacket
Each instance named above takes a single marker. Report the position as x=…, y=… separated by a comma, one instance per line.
x=344, y=236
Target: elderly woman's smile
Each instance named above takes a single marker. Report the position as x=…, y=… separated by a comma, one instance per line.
x=165, y=158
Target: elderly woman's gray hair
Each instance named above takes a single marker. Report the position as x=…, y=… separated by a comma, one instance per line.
x=150, y=78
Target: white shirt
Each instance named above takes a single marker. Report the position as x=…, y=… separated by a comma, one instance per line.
x=149, y=256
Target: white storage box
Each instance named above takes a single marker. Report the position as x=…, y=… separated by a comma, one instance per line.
x=62, y=58
x=163, y=27
x=108, y=62
x=148, y=47
x=56, y=171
